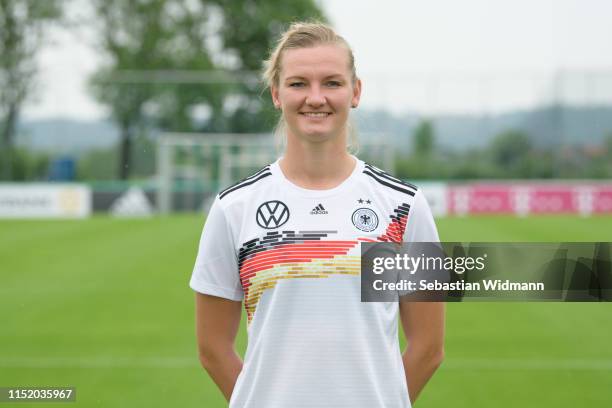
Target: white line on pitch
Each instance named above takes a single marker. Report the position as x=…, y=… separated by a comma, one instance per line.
x=189, y=362
x=99, y=362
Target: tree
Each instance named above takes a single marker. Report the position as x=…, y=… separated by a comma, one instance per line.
x=21, y=36
x=424, y=139
x=157, y=36
x=144, y=38
x=608, y=145
x=248, y=32
x=141, y=36
x=509, y=149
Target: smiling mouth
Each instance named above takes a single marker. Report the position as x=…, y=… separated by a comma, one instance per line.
x=316, y=114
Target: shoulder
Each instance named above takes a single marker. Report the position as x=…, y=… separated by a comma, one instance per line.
x=246, y=185
x=387, y=182
x=229, y=204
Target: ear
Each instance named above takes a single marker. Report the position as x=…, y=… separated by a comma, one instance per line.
x=274, y=93
x=356, y=93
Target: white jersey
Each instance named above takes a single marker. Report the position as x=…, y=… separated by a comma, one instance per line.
x=292, y=256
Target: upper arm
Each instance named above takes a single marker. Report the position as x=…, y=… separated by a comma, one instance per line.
x=216, y=281
x=423, y=323
x=217, y=321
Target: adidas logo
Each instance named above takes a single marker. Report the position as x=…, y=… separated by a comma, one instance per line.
x=319, y=210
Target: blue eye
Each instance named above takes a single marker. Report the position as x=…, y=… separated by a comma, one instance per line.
x=333, y=83
x=296, y=84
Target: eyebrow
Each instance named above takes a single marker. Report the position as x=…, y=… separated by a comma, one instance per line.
x=327, y=77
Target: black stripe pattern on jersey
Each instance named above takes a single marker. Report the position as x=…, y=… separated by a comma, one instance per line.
x=397, y=227
x=389, y=181
x=401, y=211
x=263, y=173
x=276, y=238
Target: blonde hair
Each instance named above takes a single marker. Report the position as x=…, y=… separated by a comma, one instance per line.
x=305, y=35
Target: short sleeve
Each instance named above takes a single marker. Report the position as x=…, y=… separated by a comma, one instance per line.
x=216, y=267
x=421, y=226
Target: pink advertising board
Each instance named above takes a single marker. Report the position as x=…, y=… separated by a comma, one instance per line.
x=529, y=198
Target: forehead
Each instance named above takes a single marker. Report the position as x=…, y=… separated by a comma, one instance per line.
x=318, y=60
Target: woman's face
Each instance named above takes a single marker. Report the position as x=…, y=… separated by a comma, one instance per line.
x=315, y=92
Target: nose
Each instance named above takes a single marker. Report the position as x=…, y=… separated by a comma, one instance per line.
x=315, y=97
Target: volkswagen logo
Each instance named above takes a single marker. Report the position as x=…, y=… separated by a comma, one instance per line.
x=272, y=214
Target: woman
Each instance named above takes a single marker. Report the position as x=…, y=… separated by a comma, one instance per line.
x=285, y=241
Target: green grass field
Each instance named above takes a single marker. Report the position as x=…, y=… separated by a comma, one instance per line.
x=104, y=305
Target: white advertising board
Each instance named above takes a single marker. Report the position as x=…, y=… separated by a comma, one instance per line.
x=44, y=200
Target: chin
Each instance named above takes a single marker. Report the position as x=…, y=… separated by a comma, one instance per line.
x=317, y=136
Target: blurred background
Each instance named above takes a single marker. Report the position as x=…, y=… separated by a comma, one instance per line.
x=113, y=112
x=118, y=95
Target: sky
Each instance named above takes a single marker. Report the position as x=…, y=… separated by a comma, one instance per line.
x=427, y=56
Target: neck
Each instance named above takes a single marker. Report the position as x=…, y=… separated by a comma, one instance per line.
x=316, y=166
